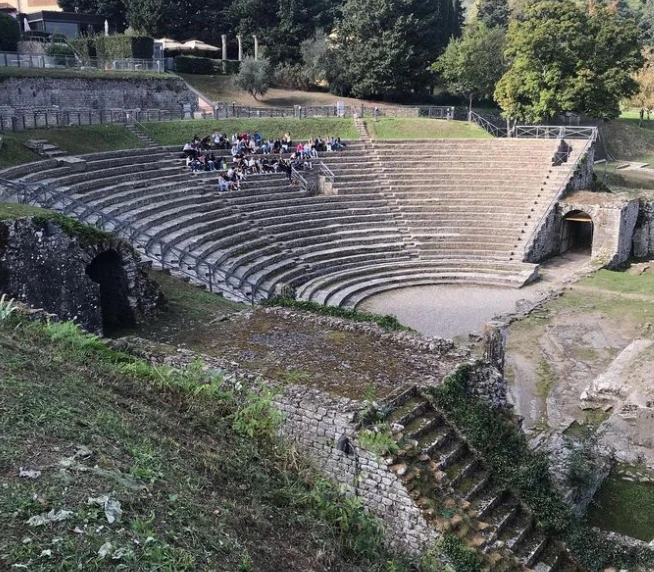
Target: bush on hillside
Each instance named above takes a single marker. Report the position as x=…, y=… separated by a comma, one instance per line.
x=60, y=52
x=291, y=76
x=255, y=76
x=9, y=33
x=191, y=64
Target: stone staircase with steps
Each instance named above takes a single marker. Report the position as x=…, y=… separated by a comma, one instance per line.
x=451, y=484
x=44, y=148
x=135, y=130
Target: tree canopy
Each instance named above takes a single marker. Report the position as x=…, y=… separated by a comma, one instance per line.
x=473, y=64
x=494, y=13
x=387, y=46
x=564, y=57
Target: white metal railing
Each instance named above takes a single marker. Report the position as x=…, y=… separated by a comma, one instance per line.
x=16, y=60
x=555, y=132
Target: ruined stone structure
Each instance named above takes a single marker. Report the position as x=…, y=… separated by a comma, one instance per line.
x=450, y=215
x=98, y=283
x=28, y=94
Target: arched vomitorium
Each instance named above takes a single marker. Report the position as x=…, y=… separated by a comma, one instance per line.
x=107, y=269
x=577, y=232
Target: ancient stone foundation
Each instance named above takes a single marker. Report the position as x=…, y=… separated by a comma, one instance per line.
x=100, y=284
x=80, y=93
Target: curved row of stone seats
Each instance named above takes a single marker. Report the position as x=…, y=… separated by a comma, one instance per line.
x=351, y=286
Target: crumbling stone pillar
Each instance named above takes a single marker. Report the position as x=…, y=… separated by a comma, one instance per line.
x=495, y=344
x=240, y=48
x=256, y=47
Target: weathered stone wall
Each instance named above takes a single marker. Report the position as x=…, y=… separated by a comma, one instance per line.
x=315, y=421
x=546, y=242
x=643, y=239
x=81, y=93
x=44, y=267
x=614, y=221
x=582, y=178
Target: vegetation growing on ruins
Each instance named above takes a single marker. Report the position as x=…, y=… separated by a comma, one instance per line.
x=390, y=323
x=514, y=466
x=187, y=488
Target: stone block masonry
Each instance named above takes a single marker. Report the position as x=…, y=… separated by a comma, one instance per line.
x=20, y=93
x=100, y=284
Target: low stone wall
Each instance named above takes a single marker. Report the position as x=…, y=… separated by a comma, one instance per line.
x=315, y=422
x=96, y=93
x=44, y=267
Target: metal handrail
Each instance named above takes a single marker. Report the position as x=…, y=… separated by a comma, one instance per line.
x=327, y=172
x=556, y=131
x=44, y=195
x=486, y=125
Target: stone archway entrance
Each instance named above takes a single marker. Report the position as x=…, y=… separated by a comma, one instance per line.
x=577, y=233
x=108, y=271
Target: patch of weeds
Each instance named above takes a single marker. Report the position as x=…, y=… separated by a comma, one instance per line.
x=390, y=323
x=297, y=376
x=546, y=379
x=378, y=440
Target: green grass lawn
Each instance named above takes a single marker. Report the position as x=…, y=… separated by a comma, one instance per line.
x=75, y=140
x=178, y=132
x=410, y=128
x=621, y=282
x=10, y=211
x=633, y=182
x=13, y=152
x=6, y=72
x=625, y=507
x=627, y=142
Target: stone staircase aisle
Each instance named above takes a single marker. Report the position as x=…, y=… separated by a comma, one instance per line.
x=451, y=484
x=135, y=130
x=44, y=148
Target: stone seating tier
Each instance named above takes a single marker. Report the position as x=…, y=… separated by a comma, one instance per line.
x=407, y=212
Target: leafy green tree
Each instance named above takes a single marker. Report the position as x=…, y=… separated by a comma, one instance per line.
x=563, y=58
x=494, y=12
x=254, y=76
x=9, y=33
x=144, y=15
x=387, y=46
x=473, y=64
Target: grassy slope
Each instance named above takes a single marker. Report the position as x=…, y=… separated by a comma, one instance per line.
x=221, y=88
x=195, y=494
x=405, y=128
x=177, y=132
x=74, y=140
x=627, y=142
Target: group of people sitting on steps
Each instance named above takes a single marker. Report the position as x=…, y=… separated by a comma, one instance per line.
x=244, y=146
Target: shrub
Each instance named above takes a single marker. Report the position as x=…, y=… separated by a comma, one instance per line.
x=120, y=46
x=60, y=53
x=291, y=76
x=254, y=76
x=191, y=64
x=9, y=33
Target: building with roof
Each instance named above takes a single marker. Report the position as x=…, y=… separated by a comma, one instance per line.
x=26, y=6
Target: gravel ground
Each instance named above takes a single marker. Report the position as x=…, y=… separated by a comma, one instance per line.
x=445, y=311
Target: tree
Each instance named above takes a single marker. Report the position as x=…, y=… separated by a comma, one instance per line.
x=144, y=15
x=473, y=64
x=563, y=58
x=9, y=33
x=254, y=76
x=494, y=13
x=387, y=46
x=113, y=10
x=644, y=99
